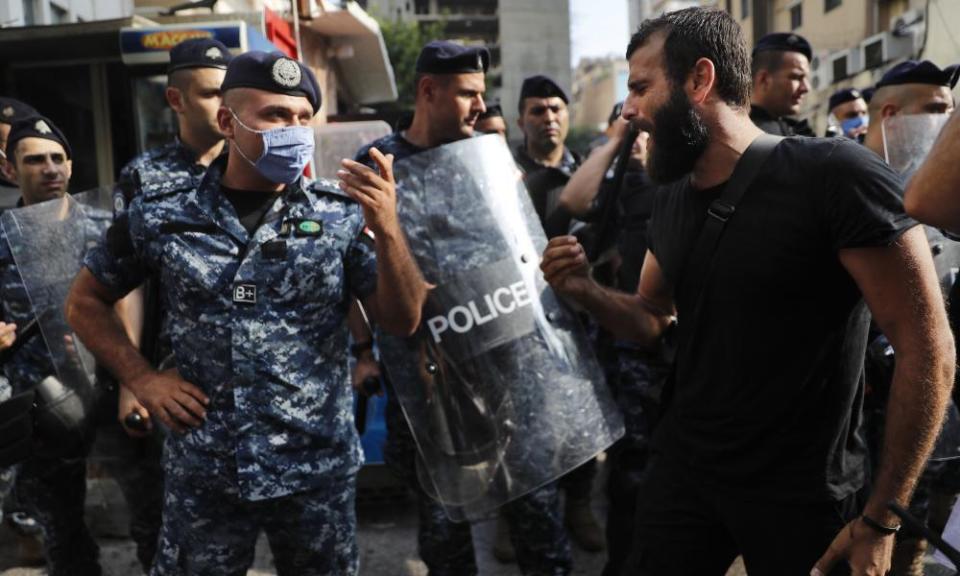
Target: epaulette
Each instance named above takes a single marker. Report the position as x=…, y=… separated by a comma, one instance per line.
x=325, y=186
x=158, y=183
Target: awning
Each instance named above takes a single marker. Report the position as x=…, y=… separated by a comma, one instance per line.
x=361, y=53
x=151, y=44
x=95, y=40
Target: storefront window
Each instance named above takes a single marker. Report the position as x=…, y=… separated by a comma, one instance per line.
x=156, y=124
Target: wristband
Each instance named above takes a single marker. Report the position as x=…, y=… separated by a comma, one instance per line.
x=878, y=527
x=360, y=347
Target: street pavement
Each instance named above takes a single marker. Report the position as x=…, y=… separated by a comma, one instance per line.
x=386, y=535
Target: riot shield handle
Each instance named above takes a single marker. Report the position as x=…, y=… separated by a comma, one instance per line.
x=29, y=331
x=911, y=522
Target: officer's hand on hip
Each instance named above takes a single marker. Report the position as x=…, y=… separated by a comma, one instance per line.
x=176, y=403
x=565, y=266
x=376, y=193
x=866, y=551
x=8, y=335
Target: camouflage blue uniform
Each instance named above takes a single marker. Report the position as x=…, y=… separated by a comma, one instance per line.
x=52, y=490
x=446, y=547
x=261, y=330
x=173, y=158
x=135, y=462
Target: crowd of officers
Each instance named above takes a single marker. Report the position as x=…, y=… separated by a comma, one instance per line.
x=741, y=384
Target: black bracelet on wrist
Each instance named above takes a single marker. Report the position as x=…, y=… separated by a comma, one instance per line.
x=878, y=527
x=357, y=349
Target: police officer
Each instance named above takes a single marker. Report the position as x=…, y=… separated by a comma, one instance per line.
x=781, y=70
x=257, y=266
x=543, y=156
x=52, y=489
x=911, y=87
x=491, y=121
x=11, y=111
x=548, y=164
x=449, y=100
x=194, y=75
x=848, y=112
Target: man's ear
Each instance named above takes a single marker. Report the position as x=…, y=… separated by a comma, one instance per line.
x=174, y=98
x=701, y=81
x=761, y=81
x=224, y=122
x=427, y=87
x=69, y=168
x=889, y=109
x=9, y=170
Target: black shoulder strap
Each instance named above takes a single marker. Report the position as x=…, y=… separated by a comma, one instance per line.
x=721, y=210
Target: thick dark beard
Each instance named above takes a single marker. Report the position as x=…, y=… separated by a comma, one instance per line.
x=679, y=139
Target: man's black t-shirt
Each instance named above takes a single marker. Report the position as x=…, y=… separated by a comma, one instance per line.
x=768, y=395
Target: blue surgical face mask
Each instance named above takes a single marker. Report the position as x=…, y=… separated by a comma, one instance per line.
x=286, y=151
x=851, y=124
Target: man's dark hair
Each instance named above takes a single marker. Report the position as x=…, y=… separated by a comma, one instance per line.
x=769, y=60
x=695, y=33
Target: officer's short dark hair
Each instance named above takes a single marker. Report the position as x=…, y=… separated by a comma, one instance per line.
x=770, y=60
x=695, y=33
x=442, y=80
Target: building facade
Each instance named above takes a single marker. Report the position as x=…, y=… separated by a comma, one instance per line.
x=855, y=41
x=46, y=12
x=525, y=37
x=598, y=84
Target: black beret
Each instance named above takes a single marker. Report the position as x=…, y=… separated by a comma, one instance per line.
x=920, y=72
x=273, y=72
x=444, y=57
x=13, y=110
x=541, y=87
x=843, y=96
x=493, y=109
x=784, y=42
x=868, y=93
x=199, y=53
x=36, y=126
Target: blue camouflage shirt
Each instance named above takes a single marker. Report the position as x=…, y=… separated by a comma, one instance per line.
x=257, y=323
x=173, y=158
x=393, y=143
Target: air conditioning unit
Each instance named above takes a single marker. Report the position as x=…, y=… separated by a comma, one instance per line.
x=874, y=51
x=907, y=23
x=839, y=65
x=820, y=73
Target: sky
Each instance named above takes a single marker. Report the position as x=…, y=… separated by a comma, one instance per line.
x=597, y=28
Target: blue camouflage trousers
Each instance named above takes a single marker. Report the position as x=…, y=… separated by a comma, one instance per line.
x=446, y=547
x=209, y=530
x=53, y=492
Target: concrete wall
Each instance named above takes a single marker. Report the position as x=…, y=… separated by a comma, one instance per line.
x=534, y=39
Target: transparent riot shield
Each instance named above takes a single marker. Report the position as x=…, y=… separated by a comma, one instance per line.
x=908, y=138
x=342, y=140
x=48, y=242
x=499, y=384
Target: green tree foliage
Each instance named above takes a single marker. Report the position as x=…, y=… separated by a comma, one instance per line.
x=404, y=39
